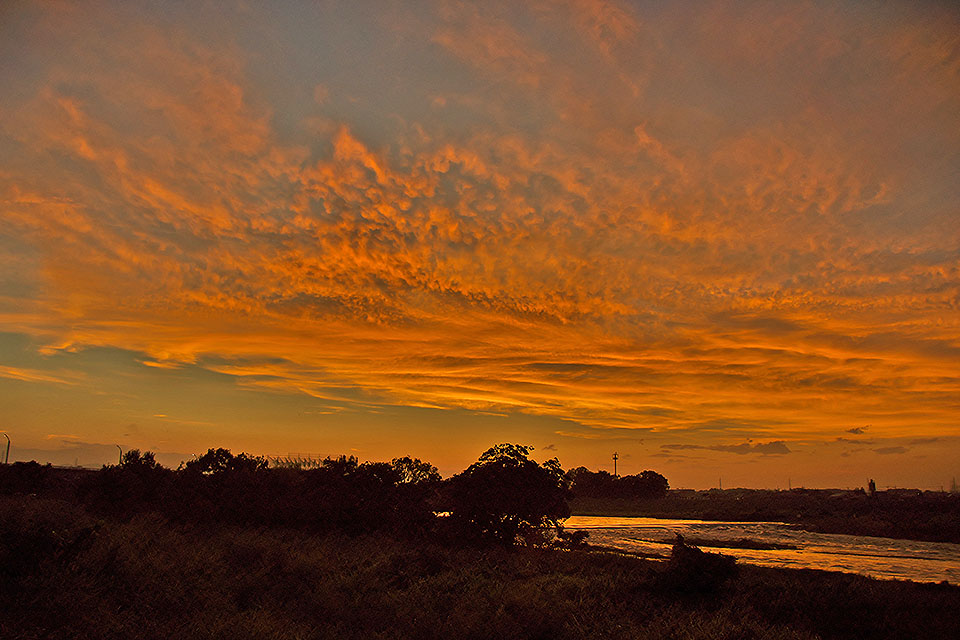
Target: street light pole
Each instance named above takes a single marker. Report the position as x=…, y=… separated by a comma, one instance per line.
x=6, y=459
x=120, y=460
x=615, y=457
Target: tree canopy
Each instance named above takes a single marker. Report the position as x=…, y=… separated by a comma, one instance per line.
x=217, y=461
x=415, y=471
x=602, y=484
x=505, y=495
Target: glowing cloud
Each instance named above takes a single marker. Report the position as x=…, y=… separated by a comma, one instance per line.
x=708, y=223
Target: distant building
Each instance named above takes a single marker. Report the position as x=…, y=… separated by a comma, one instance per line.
x=871, y=487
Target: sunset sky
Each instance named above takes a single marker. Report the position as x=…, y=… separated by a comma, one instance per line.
x=722, y=239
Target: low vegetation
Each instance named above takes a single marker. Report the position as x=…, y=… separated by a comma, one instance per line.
x=228, y=548
x=67, y=574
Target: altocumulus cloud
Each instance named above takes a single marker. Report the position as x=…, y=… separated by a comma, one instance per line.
x=544, y=210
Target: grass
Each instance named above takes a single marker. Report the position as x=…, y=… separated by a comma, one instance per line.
x=82, y=577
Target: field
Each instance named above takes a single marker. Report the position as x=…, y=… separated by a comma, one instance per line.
x=69, y=574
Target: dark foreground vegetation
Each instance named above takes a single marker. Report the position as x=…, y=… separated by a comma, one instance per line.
x=911, y=515
x=227, y=548
x=68, y=574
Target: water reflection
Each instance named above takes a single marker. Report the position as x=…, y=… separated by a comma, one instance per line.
x=877, y=557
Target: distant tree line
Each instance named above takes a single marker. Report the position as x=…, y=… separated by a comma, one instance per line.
x=340, y=494
x=601, y=484
x=505, y=498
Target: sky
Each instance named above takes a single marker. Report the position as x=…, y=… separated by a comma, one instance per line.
x=719, y=238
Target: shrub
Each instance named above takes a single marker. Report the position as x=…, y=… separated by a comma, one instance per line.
x=25, y=477
x=694, y=572
x=37, y=533
x=136, y=484
x=572, y=539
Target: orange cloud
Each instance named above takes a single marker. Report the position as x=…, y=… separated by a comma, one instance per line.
x=32, y=375
x=727, y=261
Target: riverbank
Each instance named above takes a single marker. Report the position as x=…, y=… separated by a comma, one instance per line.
x=68, y=574
x=907, y=515
x=777, y=545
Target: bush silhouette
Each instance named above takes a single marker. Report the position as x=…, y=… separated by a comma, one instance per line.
x=572, y=539
x=36, y=534
x=694, y=572
x=136, y=484
x=25, y=477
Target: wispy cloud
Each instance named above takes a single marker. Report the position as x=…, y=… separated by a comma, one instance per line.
x=775, y=447
x=726, y=223
x=33, y=375
x=891, y=450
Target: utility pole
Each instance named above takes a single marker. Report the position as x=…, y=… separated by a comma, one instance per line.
x=6, y=459
x=615, y=457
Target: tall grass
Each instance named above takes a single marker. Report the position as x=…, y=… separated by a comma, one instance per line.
x=149, y=578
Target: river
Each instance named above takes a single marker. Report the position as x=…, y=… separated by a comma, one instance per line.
x=883, y=558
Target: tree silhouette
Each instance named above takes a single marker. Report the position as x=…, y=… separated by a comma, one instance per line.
x=135, y=461
x=414, y=471
x=217, y=461
x=137, y=483
x=505, y=495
